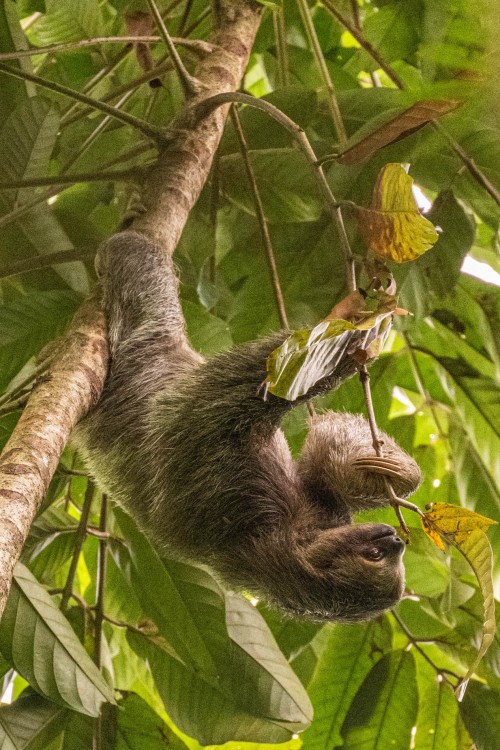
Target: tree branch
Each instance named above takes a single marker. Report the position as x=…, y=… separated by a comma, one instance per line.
x=71, y=386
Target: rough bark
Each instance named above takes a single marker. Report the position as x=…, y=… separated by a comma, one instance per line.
x=75, y=380
x=70, y=387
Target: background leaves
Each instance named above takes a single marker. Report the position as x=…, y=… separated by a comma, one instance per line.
x=187, y=663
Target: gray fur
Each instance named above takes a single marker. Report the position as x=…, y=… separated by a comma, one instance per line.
x=197, y=456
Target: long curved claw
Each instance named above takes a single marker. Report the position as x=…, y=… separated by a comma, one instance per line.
x=378, y=465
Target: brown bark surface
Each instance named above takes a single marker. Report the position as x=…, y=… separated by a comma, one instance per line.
x=75, y=380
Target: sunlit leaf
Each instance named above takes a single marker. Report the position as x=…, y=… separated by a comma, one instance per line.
x=393, y=227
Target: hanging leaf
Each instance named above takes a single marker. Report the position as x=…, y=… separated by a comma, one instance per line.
x=393, y=227
x=405, y=123
x=334, y=346
x=465, y=529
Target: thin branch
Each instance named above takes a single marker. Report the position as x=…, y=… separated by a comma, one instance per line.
x=197, y=21
x=185, y=16
x=207, y=105
x=44, y=261
x=101, y=582
x=196, y=44
x=369, y=48
x=150, y=131
x=18, y=403
x=23, y=384
x=415, y=642
x=189, y=84
x=333, y=104
x=118, y=175
x=396, y=502
x=417, y=376
x=79, y=540
x=213, y=210
x=261, y=218
x=281, y=46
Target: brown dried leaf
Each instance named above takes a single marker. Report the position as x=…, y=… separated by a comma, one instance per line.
x=405, y=123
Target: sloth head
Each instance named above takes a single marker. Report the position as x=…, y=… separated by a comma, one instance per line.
x=348, y=573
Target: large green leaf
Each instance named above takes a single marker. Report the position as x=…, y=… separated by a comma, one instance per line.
x=30, y=723
x=437, y=712
x=40, y=644
x=68, y=21
x=350, y=653
x=217, y=650
x=385, y=707
x=480, y=712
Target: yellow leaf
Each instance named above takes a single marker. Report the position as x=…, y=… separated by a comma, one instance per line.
x=393, y=227
x=465, y=530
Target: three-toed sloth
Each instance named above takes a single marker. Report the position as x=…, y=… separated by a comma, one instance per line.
x=197, y=456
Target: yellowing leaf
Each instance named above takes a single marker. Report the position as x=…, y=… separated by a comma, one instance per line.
x=466, y=531
x=393, y=226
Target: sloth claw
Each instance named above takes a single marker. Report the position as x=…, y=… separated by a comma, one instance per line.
x=378, y=465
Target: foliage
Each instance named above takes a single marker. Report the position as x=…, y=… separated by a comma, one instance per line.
x=186, y=662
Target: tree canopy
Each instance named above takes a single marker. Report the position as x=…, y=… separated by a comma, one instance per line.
x=103, y=640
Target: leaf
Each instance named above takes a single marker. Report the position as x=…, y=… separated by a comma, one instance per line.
x=351, y=651
x=331, y=347
x=393, y=227
x=138, y=727
x=216, y=639
x=285, y=180
x=465, y=529
x=41, y=645
x=403, y=124
x=480, y=711
x=30, y=722
x=68, y=21
x=385, y=707
x=437, y=713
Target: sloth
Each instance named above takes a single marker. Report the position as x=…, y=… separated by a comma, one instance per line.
x=196, y=455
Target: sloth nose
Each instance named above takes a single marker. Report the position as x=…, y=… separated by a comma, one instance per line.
x=380, y=531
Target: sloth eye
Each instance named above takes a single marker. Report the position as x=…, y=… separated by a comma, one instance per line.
x=374, y=554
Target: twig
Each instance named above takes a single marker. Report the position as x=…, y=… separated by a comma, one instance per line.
x=185, y=16
x=43, y=261
x=196, y=44
x=396, y=502
x=79, y=540
x=207, y=105
x=261, y=218
x=281, y=46
x=27, y=381
x=71, y=179
x=101, y=581
x=15, y=404
x=333, y=104
x=189, y=84
x=150, y=131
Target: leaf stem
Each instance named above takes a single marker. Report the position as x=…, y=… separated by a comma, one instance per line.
x=101, y=581
x=204, y=107
x=325, y=74
x=261, y=218
x=189, y=84
x=150, y=131
x=79, y=540
x=70, y=179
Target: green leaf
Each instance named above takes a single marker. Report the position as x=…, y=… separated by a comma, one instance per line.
x=385, y=707
x=480, y=711
x=351, y=651
x=28, y=323
x=204, y=645
x=285, y=181
x=30, y=723
x=437, y=713
x=68, y=21
x=32, y=626
x=138, y=727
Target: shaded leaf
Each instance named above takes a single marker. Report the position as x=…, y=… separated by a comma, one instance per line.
x=480, y=711
x=32, y=626
x=30, y=722
x=385, y=707
x=351, y=651
x=437, y=714
x=393, y=227
x=402, y=124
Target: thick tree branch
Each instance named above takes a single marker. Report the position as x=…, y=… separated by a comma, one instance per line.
x=74, y=381
x=69, y=388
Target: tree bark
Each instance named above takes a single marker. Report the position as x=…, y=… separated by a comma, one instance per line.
x=76, y=378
